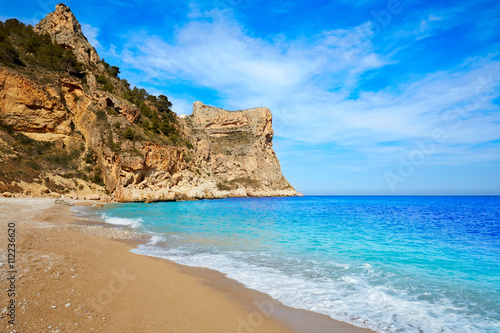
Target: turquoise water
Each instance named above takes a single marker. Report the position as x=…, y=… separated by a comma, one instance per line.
x=391, y=264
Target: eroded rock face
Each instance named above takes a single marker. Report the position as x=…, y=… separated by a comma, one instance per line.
x=237, y=144
x=231, y=153
x=105, y=100
x=65, y=30
x=30, y=108
x=233, y=158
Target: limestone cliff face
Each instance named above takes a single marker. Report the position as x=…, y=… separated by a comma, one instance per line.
x=237, y=145
x=65, y=30
x=217, y=153
x=232, y=158
x=27, y=107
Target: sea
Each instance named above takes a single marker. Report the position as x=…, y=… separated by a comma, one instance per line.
x=387, y=263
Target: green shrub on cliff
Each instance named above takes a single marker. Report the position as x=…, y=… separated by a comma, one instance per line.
x=223, y=187
x=158, y=109
x=96, y=177
x=145, y=110
x=106, y=83
x=20, y=45
x=112, y=70
x=8, y=54
x=129, y=134
x=29, y=159
x=89, y=156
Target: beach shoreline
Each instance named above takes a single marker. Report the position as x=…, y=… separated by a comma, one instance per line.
x=76, y=275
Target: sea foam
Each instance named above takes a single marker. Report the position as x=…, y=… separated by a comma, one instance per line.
x=128, y=222
x=391, y=264
x=349, y=298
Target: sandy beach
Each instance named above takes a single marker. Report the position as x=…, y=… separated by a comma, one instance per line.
x=72, y=275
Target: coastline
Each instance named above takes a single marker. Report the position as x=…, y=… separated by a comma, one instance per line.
x=77, y=275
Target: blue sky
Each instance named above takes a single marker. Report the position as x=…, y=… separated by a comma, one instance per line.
x=368, y=97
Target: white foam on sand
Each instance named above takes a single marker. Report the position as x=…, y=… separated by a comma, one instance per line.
x=352, y=298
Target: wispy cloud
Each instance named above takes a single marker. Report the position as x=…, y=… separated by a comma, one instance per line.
x=91, y=33
x=309, y=85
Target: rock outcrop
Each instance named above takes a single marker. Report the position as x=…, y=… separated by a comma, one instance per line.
x=232, y=158
x=238, y=145
x=25, y=106
x=214, y=154
x=64, y=29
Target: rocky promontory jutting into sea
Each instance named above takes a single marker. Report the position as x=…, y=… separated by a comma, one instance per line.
x=70, y=125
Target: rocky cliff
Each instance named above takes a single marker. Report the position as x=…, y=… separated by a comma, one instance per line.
x=79, y=130
x=64, y=29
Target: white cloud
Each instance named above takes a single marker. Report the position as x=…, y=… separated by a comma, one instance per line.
x=307, y=83
x=91, y=33
x=427, y=28
x=181, y=106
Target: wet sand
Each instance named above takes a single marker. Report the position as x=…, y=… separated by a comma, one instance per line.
x=78, y=276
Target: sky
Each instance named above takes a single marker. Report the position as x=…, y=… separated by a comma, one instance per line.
x=368, y=97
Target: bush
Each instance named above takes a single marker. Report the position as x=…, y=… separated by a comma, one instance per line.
x=96, y=178
x=145, y=110
x=166, y=128
x=114, y=71
x=62, y=158
x=223, y=187
x=108, y=87
x=6, y=128
x=245, y=182
x=174, y=138
x=34, y=165
x=89, y=157
x=145, y=125
x=101, y=115
x=112, y=144
x=111, y=111
x=102, y=79
x=106, y=84
x=23, y=139
x=129, y=134
x=20, y=45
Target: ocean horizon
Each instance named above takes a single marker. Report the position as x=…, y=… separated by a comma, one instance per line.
x=407, y=263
